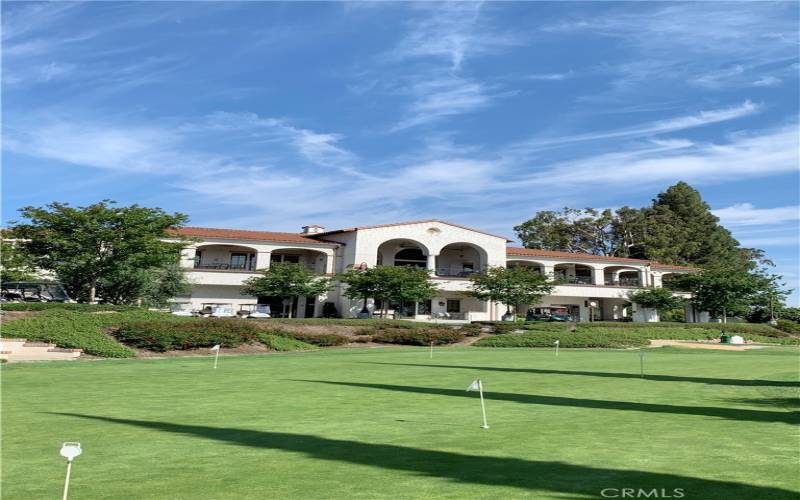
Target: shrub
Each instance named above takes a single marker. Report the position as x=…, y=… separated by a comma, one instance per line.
x=788, y=326
x=187, y=334
x=66, y=306
x=283, y=343
x=317, y=339
x=568, y=339
x=471, y=330
x=418, y=336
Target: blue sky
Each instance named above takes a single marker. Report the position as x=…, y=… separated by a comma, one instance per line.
x=275, y=115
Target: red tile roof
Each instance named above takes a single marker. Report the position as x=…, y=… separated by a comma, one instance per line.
x=426, y=221
x=534, y=252
x=243, y=234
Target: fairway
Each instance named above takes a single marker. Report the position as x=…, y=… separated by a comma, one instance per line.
x=392, y=423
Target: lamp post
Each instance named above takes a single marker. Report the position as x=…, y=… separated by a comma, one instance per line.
x=69, y=451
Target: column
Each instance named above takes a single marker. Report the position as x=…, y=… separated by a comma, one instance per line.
x=262, y=260
x=187, y=257
x=431, y=265
x=330, y=262
x=643, y=277
x=598, y=276
x=549, y=271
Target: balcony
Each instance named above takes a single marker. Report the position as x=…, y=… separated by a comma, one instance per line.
x=448, y=272
x=219, y=266
x=624, y=282
x=574, y=280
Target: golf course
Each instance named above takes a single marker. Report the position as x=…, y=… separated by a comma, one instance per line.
x=397, y=422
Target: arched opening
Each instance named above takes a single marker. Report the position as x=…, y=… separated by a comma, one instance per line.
x=402, y=252
x=536, y=266
x=576, y=274
x=459, y=260
x=225, y=258
x=312, y=259
x=622, y=276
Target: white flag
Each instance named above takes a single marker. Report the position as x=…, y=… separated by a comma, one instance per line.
x=215, y=348
x=556, y=342
x=475, y=385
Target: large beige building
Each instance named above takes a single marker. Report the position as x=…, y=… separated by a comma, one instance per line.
x=220, y=260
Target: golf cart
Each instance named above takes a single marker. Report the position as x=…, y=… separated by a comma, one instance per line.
x=28, y=291
x=181, y=309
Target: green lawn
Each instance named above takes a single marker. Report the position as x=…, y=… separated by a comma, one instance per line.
x=392, y=423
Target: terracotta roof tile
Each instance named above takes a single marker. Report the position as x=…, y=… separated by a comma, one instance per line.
x=535, y=252
x=243, y=234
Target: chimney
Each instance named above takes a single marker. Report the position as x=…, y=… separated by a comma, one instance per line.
x=313, y=229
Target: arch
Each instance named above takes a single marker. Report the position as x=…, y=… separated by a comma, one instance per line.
x=460, y=259
x=313, y=259
x=622, y=275
x=412, y=253
x=222, y=257
x=579, y=274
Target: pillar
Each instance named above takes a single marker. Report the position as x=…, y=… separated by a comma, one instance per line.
x=643, y=278
x=330, y=262
x=598, y=276
x=262, y=260
x=187, y=257
x=431, y=265
x=549, y=271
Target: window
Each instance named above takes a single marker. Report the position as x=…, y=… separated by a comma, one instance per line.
x=238, y=260
x=198, y=256
x=453, y=305
x=294, y=259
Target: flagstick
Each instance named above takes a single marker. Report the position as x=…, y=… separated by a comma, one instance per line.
x=66, y=483
x=216, y=357
x=483, y=407
x=557, y=344
x=641, y=363
x=431, y=349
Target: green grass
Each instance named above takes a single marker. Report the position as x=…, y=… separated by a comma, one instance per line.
x=392, y=423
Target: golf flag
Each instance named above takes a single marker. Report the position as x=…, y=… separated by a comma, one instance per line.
x=557, y=343
x=215, y=350
x=476, y=385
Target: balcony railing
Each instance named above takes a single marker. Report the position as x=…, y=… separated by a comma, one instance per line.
x=574, y=280
x=221, y=266
x=447, y=272
x=628, y=282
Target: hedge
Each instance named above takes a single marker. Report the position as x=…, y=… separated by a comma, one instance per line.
x=66, y=306
x=283, y=343
x=418, y=336
x=576, y=340
x=788, y=326
x=616, y=337
x=188, y=334
x=317, y=339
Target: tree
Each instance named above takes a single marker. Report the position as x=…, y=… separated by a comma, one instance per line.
x=660, y=299
x=83, y=246
x=570, y=230
x=286, y=280
x=510, y=286
x=726, y=290
x=678, y=228
x=399, y=284
x=15, y=263
x=164, y=283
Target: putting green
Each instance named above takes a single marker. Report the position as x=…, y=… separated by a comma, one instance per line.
x=392, y=423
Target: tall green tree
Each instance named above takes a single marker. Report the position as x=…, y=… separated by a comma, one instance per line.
x=286, y=280
x=661, y=299
x=510, y=285
x=572, y=230
x=727, y=290
x=15, y=263
x=361, y=284
x=680, y=229
x=84, y=245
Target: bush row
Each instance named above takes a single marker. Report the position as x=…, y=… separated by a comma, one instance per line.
x=67, y=306
x=787, y=326
x=317, y=339
x=282, y=343
x=616, y=337
x=418, y=336
x=571, y=339
x=166, y=335
x=752, y=328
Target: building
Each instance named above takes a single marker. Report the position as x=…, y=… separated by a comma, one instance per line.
x=591, y=287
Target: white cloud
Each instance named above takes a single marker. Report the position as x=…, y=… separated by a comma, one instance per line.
x=767, y=81
x=745, y=214
x=742, y=157
x=700, y=119
x=435, y=99
x=550, y=76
